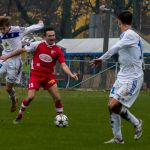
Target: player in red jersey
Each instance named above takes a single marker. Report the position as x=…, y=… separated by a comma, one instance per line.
x=46, y=54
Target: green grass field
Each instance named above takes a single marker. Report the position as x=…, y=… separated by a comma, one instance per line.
x=88, y=123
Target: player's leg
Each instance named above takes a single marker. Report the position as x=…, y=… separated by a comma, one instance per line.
x=115, y=107
x=53, y=90
x=33, y=86
x=25, y=103
x=9, y=84
x=127, y=95
x=115, y=122
x=12, y=94
x=14, y=70
x=114, y=117
x=137, y=123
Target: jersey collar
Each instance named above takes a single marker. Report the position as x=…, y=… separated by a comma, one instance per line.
x=49, y=45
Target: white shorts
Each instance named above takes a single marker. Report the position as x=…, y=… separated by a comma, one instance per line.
x=12, y=68
x=126, y=92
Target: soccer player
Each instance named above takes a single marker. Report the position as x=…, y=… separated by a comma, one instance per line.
x=46, y=54
x=11, y=39
x=129, y=79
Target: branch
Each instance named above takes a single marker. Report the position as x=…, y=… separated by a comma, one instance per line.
x=129, y=4
x=23, y=12
x=80, y=30
x=92, y=7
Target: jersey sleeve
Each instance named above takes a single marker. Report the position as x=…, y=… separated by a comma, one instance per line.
x=32, y=47
x=128, y=40
x=61, y=58
x=32, y=28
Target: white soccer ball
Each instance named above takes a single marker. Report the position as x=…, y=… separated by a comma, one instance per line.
x=61, y=120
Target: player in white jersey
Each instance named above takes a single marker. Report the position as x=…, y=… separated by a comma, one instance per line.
x=11, y=40
x=129, y=79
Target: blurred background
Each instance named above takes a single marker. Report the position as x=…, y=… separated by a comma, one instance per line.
x=85, y=30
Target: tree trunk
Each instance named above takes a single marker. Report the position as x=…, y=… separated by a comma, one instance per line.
x=65, y=28
x=137, y=14
x=23, y=12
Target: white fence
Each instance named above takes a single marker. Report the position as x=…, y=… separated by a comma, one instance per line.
x=101, y=77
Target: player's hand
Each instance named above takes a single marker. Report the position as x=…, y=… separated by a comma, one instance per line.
x=40, y=21
x=3, y=58
x=94, y=62
x=74, y=76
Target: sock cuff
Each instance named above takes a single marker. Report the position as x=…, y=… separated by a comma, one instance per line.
x=59, y=107
x=25, y=103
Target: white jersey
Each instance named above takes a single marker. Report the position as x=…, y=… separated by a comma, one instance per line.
x=130, y=51
x=12, y=40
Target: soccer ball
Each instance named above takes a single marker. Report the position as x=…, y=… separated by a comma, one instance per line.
x=61, y=120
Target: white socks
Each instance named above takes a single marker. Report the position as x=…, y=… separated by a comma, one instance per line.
x=127, y=115
x=116, y=125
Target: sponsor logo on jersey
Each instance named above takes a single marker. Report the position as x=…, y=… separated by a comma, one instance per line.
x=7, y=46
x=45, y=58
x=134, y=85
x=53, y=52
x=51, y=82
x=38, y=64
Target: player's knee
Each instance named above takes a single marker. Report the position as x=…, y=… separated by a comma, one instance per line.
x=110, y=107
x=114, y=108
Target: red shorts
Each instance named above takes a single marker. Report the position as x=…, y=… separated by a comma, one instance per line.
x=37, y=81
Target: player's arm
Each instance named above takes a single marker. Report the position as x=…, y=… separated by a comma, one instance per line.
x=12, y=54
x=61, y=60
x=34, y=27
x=68, y=71
x=127, y=41
x=27, y=48
x=105, y=56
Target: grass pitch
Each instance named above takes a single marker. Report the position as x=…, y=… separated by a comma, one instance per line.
x=88, y=123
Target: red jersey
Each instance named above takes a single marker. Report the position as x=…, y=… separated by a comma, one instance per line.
x=45, y=57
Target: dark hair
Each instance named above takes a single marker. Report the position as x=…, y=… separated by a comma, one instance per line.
x=4, y=21
x=48, y=29
x=125, y=17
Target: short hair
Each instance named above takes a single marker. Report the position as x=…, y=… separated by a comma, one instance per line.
x=48, y=29
x=125, y=17
x=4, y=21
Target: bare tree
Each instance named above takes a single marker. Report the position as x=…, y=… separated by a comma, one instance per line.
x=64, y=15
